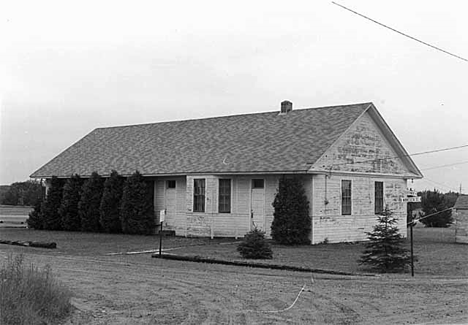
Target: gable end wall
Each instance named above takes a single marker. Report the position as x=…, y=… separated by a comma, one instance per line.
x=363, y=149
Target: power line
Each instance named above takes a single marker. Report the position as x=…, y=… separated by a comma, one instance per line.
x=401, y=33
x=429, y=215
x=449, y=165
x=440, y=184
x=438, y=150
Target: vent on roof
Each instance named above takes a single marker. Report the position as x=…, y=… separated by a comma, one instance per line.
x=286, y=106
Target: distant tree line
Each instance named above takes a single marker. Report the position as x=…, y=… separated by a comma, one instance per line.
x=113, y=205
x=22, y=193
x=434, y=205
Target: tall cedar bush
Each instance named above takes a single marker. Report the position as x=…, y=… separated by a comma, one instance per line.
x=432, y=202
x=136, y=213
x=291, y=223
x=384, y=251
x=110, y=203
x=69, y=208
x=51, y=205
x=35, y=219
x=90, y=201
x=255, y=245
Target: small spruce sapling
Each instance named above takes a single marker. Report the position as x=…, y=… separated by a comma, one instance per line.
x=255, y=245
x=384, y=251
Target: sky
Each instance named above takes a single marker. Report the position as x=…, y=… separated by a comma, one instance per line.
x=68, y=67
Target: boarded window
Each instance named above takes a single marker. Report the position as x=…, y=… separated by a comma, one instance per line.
x=378, y=197
x=171, y=184
x=198, y=195
x=258, y=183
x=224, y=202
x=345, y=197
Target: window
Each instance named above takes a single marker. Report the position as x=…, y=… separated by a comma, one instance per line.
x=345, y=197
x=198, y=195
x=224, y=202
x=170, y=184
x=258, y=183
x=378, y=197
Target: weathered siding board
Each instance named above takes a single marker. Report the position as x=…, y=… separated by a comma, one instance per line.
x=213, y=223
x=328, y=222
x=323, y=192
x=363, y=148
x=461, y=226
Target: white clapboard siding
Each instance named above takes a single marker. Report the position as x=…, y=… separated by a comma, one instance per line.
x=363, y=148
x=328, y=222
x=461, y=226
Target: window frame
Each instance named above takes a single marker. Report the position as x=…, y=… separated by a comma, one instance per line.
x=254, y=185
x=170, y=182
x=224, y=195
x=199, y=195
x=346, y=199
x=378, y=199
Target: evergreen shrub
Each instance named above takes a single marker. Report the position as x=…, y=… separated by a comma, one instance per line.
x=385, y=252
x=69, y=207
x=35, y=220
x=50, y=208
x=255, y=245
x=291, y=223
x=90, y=201
x=137, y=212
x=110, y=203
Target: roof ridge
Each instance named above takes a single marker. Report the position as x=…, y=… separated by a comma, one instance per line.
x=230, y=116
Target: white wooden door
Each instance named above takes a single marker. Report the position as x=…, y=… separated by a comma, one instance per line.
x=170, y=203
x=258, y=208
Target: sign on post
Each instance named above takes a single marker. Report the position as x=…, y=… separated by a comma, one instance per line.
x=162, y=216
x=411, y=199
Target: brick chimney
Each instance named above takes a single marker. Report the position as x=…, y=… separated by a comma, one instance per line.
x=286, y=107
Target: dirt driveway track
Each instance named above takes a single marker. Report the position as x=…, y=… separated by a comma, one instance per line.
x=141, y=290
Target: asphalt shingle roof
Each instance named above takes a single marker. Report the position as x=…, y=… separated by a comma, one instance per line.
x=262, y=142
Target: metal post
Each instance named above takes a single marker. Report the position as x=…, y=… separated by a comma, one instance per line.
x=412, y=256
x=160, y=239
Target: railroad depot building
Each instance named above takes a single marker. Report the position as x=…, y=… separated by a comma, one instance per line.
x=218, y=176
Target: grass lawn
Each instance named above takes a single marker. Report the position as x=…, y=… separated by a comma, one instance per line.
x=435, y=248
x=138, y=289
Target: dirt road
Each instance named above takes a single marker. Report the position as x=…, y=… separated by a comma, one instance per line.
x=141, y=290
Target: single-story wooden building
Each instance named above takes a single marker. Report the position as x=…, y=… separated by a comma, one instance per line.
x=460, y=210
x=219, y=176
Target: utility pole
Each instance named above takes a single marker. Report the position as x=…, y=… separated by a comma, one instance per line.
x=412, y=254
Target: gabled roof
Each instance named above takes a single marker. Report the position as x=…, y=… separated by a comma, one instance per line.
x=251, y=143
x=462, y=203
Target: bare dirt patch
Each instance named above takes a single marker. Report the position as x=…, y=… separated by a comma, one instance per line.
x=137, y=289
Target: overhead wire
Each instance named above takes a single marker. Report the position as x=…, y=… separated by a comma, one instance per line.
x=440, y=184
x=448, y=165
x=401, y=33
x=429, y=215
